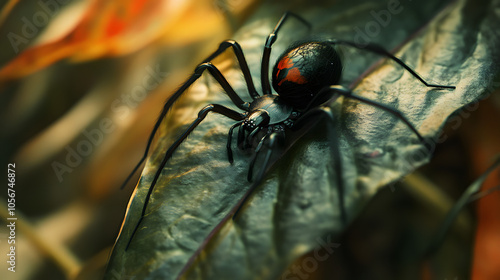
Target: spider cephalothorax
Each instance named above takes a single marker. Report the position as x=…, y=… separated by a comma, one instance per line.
x=266, y=114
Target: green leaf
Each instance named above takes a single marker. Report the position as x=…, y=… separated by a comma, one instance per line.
x=296, y=209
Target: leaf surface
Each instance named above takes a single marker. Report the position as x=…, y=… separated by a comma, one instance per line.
x=296, y=209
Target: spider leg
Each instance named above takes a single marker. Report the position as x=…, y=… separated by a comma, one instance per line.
x=264, y=76
x=241, y=138
x=270, y=141
x=252, y=134
x=254, y=158
x=241, y=60
x=275, y=138
x=197, y=74
x=340, y=90
x=381, y=51
x=464, y=199
x=201, y=116
x=229, y=140
x=333, y=136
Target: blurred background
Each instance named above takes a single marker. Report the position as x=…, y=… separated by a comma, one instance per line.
x=81, y=85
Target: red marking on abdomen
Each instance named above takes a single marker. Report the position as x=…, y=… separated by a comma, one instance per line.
x=292, y=75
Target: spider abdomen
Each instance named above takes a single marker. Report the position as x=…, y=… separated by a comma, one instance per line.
x=303, y=70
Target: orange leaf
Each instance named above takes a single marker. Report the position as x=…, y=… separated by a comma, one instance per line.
x=484, y=145
x=107, y=28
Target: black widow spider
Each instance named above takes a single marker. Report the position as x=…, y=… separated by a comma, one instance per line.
x=304, y=77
